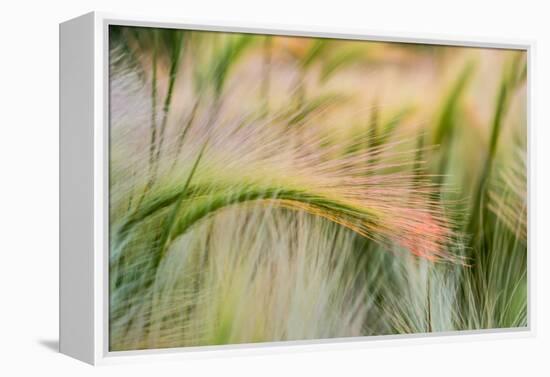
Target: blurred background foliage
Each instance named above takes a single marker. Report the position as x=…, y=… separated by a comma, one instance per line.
x=278, y=188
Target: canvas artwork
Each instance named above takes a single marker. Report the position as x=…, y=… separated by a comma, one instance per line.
x=268, y=188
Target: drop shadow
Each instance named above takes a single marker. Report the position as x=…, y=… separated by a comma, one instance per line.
x=52, y=345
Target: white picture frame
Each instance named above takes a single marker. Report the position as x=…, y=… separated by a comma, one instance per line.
x=84, y=190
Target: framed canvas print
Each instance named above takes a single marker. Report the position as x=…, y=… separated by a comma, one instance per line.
x=228, y=188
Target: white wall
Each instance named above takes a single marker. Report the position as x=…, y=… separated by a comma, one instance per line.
x=29, y=183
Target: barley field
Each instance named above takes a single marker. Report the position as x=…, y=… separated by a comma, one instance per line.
x=269, y=188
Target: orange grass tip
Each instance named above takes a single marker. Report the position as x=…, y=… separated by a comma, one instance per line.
x=427, y=237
